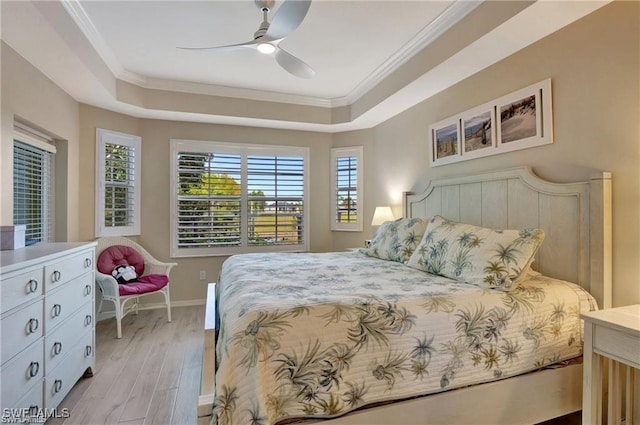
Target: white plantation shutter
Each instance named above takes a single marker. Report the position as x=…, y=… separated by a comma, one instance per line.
x=33, y=200
x=276, y=199
x=118, y=163
x=208, y=198
x=233, y=198
x=119, y=185
x=347, y=188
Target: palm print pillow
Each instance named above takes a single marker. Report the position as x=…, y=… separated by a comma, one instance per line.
x=396, y=240
x=476, y=255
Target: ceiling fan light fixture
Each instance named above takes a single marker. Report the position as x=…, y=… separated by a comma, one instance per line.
x=266, y=48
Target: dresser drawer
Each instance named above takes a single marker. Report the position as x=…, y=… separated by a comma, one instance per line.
x=58, y=382
x=66, y=300
x=21, y=288
x=58, y=343
x=21, y=373
x=21, y=329
x=616, y=344
x=63, y=271
x=33, y=401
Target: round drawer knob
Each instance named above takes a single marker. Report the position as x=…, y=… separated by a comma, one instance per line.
x=56, y=276
x=34, y=368
x=87, y=289
x=87, y=263
x=87, y=320
x=32, y=286
x=57, y=385
x=57, y=348
x=32, y=325
x=57, y=310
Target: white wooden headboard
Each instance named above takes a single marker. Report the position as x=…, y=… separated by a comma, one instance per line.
x=576, y=218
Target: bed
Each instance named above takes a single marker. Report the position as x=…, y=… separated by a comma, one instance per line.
x=277, y=365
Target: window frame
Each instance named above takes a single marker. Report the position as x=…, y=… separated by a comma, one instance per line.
x=44, y=145
x=244, y=150
x=336, y=154
x=104, y=137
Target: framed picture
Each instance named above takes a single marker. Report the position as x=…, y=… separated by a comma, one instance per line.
x=445, y=141
x=478, y=131
x=524, y=118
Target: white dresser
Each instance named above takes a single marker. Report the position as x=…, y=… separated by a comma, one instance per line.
x=47, y=322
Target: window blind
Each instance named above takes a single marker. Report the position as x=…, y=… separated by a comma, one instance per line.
x=209, y=200
x=230, y=198
x=346, y=178
x=276, y=200
x=119, y=185
x=33, y=200
x=346, y=188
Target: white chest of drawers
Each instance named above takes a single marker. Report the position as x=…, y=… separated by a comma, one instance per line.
x=47, y=322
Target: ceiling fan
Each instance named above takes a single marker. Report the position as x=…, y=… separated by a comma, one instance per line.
x=269, y=35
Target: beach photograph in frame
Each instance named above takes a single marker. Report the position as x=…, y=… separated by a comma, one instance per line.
x=518, y=120
x=523, y=118
x=445, y=141
x=478, y=131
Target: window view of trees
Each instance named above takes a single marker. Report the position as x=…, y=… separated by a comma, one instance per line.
x=346, y=188
x=347, y=196
x=347, y=209
x=211, y=202
x=118, y=188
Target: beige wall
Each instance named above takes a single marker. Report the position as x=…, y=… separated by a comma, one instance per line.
x=155, y=230
x=30, y=96
x=90, y=119
x=594, y=65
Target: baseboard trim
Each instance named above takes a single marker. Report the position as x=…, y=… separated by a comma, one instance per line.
x=110, y=314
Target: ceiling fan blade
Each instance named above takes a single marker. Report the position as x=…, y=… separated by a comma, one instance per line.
x=288, y=17
x=251, y=43
x=293, y=65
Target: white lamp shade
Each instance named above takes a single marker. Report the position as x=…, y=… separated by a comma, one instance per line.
x=381, y=215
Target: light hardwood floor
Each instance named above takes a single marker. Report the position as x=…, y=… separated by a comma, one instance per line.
x=150, y=376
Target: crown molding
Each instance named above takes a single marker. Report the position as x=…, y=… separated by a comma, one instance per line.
x=434, y=29
x=229, y=91
x=80, y=17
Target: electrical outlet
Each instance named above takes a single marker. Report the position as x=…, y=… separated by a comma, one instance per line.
x=203, y=275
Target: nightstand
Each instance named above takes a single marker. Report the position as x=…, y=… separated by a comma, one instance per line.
x=612, y=336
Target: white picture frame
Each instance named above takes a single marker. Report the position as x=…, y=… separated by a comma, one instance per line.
x=445, y=141
x=524, y=118
x=519, y=120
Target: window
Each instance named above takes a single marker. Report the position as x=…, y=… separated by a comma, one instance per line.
x=346, y=173
x=118, y=160
x=233, y=198
x=33, y=177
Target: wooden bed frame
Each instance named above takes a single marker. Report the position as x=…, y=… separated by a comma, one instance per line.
x=576, y=218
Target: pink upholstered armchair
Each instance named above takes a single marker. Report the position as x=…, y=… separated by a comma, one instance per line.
x=153, y=276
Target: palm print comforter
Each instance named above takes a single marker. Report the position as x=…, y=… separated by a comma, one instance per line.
x=318, y=335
